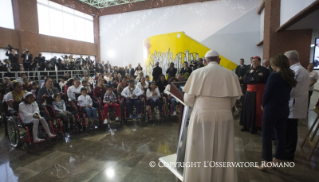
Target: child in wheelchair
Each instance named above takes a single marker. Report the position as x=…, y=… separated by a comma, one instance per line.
x=61, y=112
x=29, y=113
x=153, y=95
x=132, y=93
x=110, y=100
x=85, y=101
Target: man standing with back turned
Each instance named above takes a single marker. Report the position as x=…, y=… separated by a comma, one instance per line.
x=212, y=92
x=298, y=103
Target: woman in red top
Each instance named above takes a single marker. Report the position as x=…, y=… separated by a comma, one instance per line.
x=99, y=89
x=26, y=84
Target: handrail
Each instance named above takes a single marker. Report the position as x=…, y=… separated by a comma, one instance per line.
x=38, y=74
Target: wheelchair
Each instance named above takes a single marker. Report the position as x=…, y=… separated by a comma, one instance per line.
x=168, y=105
x=99, y=105
x=148, y=114
x=21, y=133
x=48, y=113
x=124, y=111
x=80, y=123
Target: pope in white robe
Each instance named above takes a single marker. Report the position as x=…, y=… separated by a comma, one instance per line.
x=212, y=92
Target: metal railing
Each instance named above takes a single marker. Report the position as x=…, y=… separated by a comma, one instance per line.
x=38, y=75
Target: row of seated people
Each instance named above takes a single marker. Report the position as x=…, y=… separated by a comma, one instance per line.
x=131, y=93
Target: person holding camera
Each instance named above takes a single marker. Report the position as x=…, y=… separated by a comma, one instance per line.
x=27, y=60
x=40, y=61
x=13, y=57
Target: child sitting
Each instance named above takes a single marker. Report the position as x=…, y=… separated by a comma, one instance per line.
x=61, y=112
x=110, y=100
x=85, y=101
x=35, y=89
x=29, y=113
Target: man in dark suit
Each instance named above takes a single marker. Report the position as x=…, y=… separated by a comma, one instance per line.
x=108, y=64
x=130, y=70
x=171, y=71
x=240, y=72
x=41, y=61
x=27, y=59
x=241, y=69
x=186, y=71
x=199, y=64
x=13, y=57
x=157, y=71
x=266, y=64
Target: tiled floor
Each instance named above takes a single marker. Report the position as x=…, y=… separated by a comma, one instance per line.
x=100, y=156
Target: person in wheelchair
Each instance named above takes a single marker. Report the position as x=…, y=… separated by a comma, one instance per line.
x=29, y=113
x=122, y=85
x=132, y=93
x=110, y=100
x=171, y=99
x=61, y=112
x=87, y=85
x=46, y=91
x=15, y=95
x=99, y=89
x=85, y=101
x=153, y=95
x=143, y=85
x=75, y=88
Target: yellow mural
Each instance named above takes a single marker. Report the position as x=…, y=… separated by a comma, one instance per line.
x=175, y=47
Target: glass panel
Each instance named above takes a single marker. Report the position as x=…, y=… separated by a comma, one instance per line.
x=89, y=31
x=61, y=21
x=6, y=14
x=79, y=27
x=56, y=23
x=44, y=20
x=68, y=22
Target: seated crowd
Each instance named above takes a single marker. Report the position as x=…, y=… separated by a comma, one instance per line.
x=108, y=84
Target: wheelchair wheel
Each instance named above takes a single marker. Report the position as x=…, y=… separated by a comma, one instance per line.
x=13, y=132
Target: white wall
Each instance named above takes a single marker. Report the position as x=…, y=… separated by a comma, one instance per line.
x=122, y=35
x=289, y=8
x=238, y=39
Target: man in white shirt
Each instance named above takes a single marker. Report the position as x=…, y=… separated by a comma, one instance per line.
x=297, y=104
x=132, y=93
x=75, y=88
x=313, y=77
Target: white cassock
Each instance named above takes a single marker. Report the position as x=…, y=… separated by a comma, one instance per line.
x=212, y=92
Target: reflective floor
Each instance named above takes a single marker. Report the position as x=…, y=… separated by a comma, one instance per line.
x=125, y=156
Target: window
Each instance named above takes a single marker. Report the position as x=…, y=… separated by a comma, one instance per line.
x=49, y=55
x=6, y=14
x=60, y=21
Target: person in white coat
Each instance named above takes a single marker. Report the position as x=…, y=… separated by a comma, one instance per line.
x=29, y=113
x=298, y=103
x=212, y=92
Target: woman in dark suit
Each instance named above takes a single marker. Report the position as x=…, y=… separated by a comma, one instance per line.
x=276, y=109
